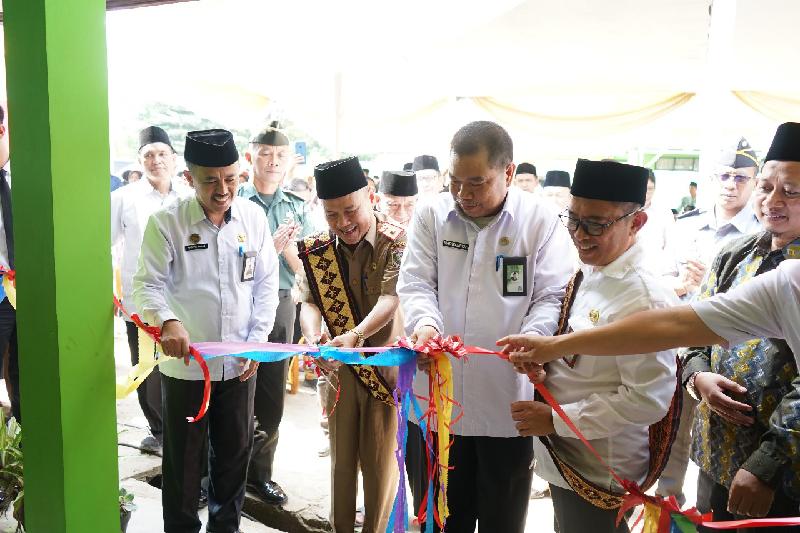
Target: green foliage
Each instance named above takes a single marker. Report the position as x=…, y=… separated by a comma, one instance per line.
x=126, y=500
x=11, y=480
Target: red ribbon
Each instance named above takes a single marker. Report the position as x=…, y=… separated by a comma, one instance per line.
x=10, y=274
x=635, y=496
x=155, y=334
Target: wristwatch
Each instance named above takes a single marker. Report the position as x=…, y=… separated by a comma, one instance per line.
x=360, y=335
x=692, y=389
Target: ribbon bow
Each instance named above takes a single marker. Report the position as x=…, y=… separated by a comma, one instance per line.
x=438, y=345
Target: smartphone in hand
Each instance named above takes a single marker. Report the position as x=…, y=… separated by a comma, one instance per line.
x=301, y=149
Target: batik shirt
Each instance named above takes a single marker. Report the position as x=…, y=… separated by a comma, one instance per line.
x=766, y=368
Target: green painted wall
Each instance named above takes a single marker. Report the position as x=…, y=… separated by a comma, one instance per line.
x=57, y=96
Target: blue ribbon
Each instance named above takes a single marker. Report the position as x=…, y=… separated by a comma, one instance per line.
x=391, y=357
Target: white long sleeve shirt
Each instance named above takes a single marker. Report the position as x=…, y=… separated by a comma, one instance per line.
x=131, y=207
x=766, y=306
x=451, y=278
x=612, y=400
x=191, y=270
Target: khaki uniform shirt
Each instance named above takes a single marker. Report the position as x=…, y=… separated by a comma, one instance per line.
x=372, y=270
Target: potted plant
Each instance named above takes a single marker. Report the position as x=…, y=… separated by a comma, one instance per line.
x=126, y=507
x=11, y=481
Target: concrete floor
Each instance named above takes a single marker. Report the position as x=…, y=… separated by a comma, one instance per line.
x=301, y=472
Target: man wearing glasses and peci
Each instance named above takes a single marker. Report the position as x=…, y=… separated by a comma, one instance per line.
x=613, y=402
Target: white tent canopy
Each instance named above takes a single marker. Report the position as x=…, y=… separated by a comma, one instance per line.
x=567, y=78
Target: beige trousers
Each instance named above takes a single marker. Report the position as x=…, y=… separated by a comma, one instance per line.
x=363, y=433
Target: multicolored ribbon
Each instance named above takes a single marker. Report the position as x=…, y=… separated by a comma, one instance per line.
x=8, y=288
x=660, y=515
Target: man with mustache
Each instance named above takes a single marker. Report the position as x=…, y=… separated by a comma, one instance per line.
x=761, y=476
x=464, y=248
x=613, y=403
x=350, y=273
x=208, y=271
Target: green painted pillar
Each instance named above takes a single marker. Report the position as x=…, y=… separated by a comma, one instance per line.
x=58, y=111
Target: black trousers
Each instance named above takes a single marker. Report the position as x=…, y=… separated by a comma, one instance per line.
x=8, y=338
x=489, y=483
x=713, y=497
x=573, y=514
x=228, y=428
x=149, y=392
x=270, y=395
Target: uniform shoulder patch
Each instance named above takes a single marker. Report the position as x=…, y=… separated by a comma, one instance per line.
x=390, y=230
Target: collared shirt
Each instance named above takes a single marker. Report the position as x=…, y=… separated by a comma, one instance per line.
x=699, y=235
x=3, y=245
x=191, y=270
x=131, y=206
x=765, y=367
x=371, y=272
x=766, y=306
x=612, y=400
x=285, y=205
x=452, y=279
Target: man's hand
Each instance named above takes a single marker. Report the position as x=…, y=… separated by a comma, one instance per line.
x=749, y=496
x=316, y=340
x=529, y=349
x=535, y=372
x=175, y=340
x=693, y=275
x=252, y=368
x=345, y=340
x=712, y=387
x=419, y=338
x=284, y=234
x=534, y=419
x=423, y=335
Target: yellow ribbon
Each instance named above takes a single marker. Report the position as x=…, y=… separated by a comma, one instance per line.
x=443, y=394
x=11, y=291
x=140, y=371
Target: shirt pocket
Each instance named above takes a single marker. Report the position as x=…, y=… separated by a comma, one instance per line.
x=374, y=281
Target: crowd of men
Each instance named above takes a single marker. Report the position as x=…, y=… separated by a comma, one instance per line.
x=484, y=251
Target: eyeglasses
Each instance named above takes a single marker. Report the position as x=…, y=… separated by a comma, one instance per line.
x=738, y=178
x=595, y=229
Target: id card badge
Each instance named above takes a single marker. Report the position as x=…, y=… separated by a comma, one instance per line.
x=515, y=276
x=248, y=266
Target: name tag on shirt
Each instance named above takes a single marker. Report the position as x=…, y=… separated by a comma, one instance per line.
x=456, y=245
x=248, y=266
x=190, y=247
x=515, y=276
